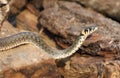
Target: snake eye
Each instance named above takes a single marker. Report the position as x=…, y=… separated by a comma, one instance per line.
x=86, y=30
x=1, y=5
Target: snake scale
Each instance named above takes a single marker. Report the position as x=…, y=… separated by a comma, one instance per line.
x=33, y=38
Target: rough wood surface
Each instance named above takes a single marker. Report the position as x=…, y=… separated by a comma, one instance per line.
x=107, y=7
x=90, y=67
x=16, y=6
x=27, y=21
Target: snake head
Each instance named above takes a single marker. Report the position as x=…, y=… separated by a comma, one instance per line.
x=88, y=30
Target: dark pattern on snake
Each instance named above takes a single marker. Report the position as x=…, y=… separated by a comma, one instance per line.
x=33, y=38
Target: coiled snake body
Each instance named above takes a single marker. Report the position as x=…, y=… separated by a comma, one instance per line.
x=30, y=37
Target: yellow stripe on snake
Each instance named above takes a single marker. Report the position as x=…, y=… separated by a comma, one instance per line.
x=32, y=38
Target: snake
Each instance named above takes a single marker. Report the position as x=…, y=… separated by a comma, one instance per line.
x=29, y=37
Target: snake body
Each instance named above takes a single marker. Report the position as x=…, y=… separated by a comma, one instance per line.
x=33, y=38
